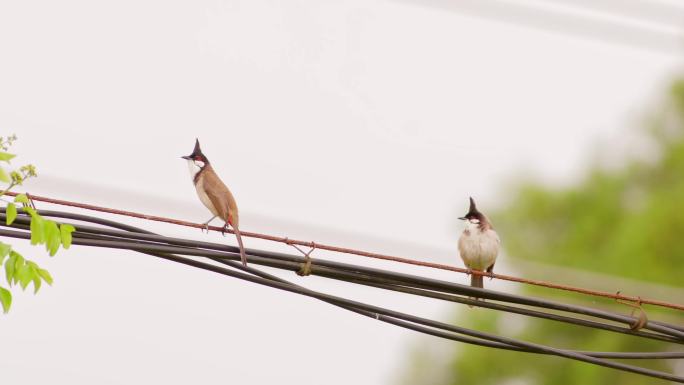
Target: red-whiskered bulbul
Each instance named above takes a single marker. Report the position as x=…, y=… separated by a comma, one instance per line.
x=478, y=245
x=214, y=194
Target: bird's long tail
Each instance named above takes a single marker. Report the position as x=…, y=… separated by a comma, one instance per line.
x=476, y=281
x=243, y=257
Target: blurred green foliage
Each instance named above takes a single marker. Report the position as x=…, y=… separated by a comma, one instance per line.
x=625, y=222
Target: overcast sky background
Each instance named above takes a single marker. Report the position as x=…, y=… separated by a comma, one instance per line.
x=360, y=123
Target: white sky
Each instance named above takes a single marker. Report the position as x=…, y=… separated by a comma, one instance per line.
x=362, y=123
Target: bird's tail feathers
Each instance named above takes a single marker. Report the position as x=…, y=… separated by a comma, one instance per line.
x=476, y=281
x=238, y=235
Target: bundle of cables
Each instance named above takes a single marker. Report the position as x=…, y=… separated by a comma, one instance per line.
x=224, y=259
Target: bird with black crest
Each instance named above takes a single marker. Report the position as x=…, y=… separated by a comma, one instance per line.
x=478, y=244
x=214, y=194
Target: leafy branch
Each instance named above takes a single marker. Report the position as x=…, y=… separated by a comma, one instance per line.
x=19, y=270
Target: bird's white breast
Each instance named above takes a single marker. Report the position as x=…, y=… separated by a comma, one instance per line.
x=201, y=193
x=195, y=168
x=479, y=248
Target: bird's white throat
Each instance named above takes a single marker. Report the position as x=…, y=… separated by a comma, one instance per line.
x=194, y=167
x=472, y=226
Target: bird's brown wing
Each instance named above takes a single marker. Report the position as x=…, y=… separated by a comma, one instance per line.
x=225, y=205
x=221, y=198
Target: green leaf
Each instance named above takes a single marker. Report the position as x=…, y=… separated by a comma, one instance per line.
x=36, y=284
x=4, y=250
x=31, y=212
x=37, y=230
x=5, y=299
x=6, y=156
x=9, y=267
x=37, y=273
x=23, y=274
x=45, y=275
x=18, y=266
x=35, y=277
x=52, y=237
x=3, y=176
x=11, y=213
x=65, y=231
x=21, y=198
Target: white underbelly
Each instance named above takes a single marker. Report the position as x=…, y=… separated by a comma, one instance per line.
x=204, y=197
x=479, y=251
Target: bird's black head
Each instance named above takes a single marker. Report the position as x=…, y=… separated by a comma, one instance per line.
x=473, y=213
x=197, y=154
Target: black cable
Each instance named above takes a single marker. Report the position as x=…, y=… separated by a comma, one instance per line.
x=391, y=285
x=317, y=264
x=396, y=318
x=382, y=311
x=336, y=275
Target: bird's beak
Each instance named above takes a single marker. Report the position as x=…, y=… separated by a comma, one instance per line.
x=462, y=218
x=186, y=157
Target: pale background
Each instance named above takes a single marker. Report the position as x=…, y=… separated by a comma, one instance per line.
x=360, y=123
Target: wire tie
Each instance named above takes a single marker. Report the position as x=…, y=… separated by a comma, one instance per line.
x=306, y=266
x=641, y=319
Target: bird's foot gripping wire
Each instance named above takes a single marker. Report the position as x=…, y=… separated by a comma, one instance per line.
x=206, y=224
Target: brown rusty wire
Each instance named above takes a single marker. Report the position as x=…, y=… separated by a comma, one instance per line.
x=345, y=250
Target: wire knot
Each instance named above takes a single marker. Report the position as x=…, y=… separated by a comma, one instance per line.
x=305, y=269
x=641, y=319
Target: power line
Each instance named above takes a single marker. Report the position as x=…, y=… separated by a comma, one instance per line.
x=345, y=250
x=122, y=236
x=548, y=16
x=655, y=12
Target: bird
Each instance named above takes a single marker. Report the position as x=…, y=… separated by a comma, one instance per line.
x=214, y=194
x=478, y=244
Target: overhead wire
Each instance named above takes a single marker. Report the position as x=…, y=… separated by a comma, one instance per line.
x=592, y=20
x=323, y=269
x=122, y=236
x=157, y=243
x=346, y=250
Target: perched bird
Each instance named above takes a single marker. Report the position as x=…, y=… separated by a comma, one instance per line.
x=478, y=245
x=214, y=194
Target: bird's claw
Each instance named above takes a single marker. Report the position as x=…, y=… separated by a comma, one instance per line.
x=469, y=271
